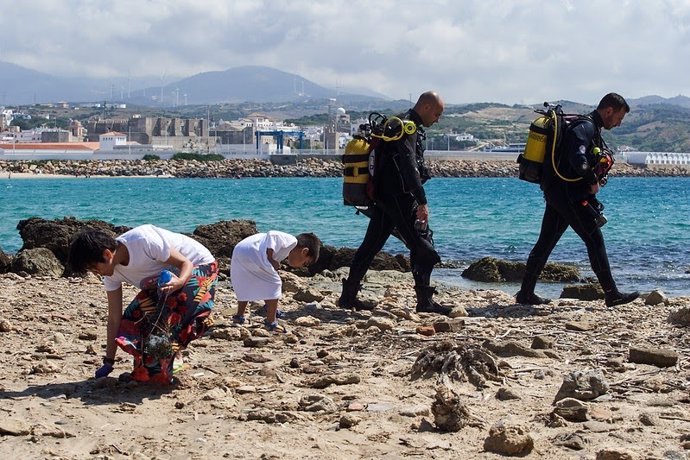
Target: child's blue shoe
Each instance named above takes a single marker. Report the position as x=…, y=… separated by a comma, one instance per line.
x=237, y=319
x=274, y=327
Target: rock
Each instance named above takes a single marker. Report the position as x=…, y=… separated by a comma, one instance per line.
x=415, y=411
x=5, y=326
x=5, y=262
x=572, y=441
x=655, y=298
x=381, y=323
x=654, y=356
x=214, y=394
x=680, y=317
x=9, y=427
x=450, y=413
x=613, y=454
x=56, y=235
x=331, y=258
x=489, y=269
x=583, y=292
x=583, y=386
x=221, y=237
x=508, y=439
x=508, y=349
x=580, y=326
x=325, y=381
x=449, y=326
x=571, y=410
x=355, y=407
x=38, y=261
x=459, y=312
x=506, y=394
x=308, y=295
x=348, y=421
x=307, y=321
x=317, y=403
x=425, y=330
x=233, y=333
x=541, y=342
x=256, y=342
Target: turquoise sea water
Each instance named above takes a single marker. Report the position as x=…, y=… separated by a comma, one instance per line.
x=648, y=234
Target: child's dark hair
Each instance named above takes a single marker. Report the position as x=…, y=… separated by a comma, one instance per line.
x=311, y=242
x=86, y=248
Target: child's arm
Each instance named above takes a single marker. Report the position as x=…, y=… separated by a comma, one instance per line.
x=185, y=265
x=275, y=263
x=114, y=317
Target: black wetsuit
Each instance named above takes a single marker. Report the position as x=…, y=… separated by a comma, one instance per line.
x=400, y=175
x=565, y=204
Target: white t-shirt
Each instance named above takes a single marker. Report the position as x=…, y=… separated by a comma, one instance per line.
x=149, y=248
x=251, y=274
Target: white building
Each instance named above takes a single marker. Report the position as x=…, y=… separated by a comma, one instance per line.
x=108, y=141
x=658, y=158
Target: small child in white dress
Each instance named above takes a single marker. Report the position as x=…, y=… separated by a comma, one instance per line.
x=254, y=268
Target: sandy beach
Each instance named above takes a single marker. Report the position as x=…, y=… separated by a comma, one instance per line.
x=342, y=384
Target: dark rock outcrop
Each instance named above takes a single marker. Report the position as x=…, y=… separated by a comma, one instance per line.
x=56, y=234
x=222, y=237
x=489, y=269
x=38, y=261
x=5, y=262
x=332, y=258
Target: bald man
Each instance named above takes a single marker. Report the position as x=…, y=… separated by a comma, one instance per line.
x=400, y=201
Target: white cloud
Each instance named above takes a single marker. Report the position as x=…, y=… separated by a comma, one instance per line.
x=469, y=50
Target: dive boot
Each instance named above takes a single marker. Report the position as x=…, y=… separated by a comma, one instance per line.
x=530, y=298
x=426, y=304
x=348, y=298
x=616, y=298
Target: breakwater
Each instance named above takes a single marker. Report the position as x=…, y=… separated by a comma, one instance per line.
x=302, y=167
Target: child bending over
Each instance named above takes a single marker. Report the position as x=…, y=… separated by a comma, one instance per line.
x=254, y=268
x=167, y=314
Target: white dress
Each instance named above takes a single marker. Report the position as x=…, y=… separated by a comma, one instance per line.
x=251, y=274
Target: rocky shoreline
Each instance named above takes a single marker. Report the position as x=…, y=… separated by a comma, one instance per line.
x=572, y=379
x=304, y=167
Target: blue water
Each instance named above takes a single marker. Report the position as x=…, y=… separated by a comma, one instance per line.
x=648, y=234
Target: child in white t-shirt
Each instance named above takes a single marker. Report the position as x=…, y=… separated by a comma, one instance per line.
x=165, y=316
x=254, y=268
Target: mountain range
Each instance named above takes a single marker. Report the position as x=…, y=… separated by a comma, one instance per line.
x=22, y=86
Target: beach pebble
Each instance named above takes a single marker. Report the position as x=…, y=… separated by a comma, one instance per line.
x=5, y=326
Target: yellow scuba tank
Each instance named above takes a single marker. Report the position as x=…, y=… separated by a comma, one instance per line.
x=532, y=160
x=356, y=172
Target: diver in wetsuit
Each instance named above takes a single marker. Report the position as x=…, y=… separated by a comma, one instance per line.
x=400, y=201
x=573, y=203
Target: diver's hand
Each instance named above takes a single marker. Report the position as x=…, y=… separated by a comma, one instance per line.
x=423, y=212
x=104, y=370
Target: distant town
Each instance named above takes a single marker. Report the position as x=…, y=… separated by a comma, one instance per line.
x=116, y=131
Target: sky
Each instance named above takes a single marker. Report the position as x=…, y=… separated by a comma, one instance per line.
x=507, y=51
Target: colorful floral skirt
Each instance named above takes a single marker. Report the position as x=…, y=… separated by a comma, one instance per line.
x=154, y=328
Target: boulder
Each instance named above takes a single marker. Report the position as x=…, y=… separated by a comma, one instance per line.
x=331, y=258
x=492, y=270
x=38, y=261
x=56, y=234
x=5, y=262
x=583, y=292
x=222, y=237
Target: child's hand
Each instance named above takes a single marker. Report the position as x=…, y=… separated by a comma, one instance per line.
x=171, y=286
x=275, y=264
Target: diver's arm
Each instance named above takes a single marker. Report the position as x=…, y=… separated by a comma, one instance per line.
x=405, y=158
